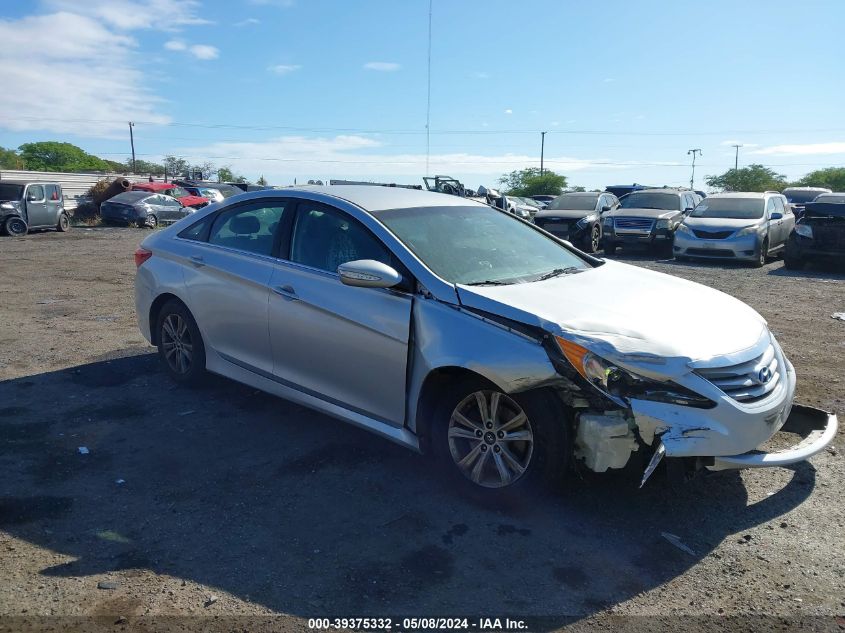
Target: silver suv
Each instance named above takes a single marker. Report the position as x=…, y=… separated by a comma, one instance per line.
x=736, y=226
x=26, y=205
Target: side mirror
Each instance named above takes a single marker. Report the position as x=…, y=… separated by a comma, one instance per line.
x=605, y=209
x=368, y=273
x=689, y=209
x=777, y=216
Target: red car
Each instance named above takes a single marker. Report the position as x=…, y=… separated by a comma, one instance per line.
x=174, y=191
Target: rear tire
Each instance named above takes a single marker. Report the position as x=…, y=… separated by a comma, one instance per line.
x=15, y=226
x=63, y=223
x=496, y=446
x=180, y=344
x=151, y=222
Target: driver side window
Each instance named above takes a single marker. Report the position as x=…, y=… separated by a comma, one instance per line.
x=35, y=193
x=325, y=238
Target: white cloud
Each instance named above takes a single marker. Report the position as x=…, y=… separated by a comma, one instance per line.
x=382, y=66
x=175, y=45
x=248, y=22
x=354, y=156
x=608, y=80
x=162, y=15
x=284, y=69
x=836, y=147
x=77, y=56
x=204, y=51
x=508, y=111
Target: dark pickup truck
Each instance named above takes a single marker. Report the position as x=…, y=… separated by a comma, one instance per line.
x=818, y=234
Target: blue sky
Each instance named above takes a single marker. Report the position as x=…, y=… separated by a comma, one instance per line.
x=335, y=89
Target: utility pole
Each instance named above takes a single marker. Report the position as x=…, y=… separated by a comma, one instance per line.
x=692, y=176
x=736, y=160
x=542, y=150
x=428, y=97
x=132, y=143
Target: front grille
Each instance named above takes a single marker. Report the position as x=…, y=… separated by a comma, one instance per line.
x=712, y=235
x=710, y=252
x=830, y=236
x=633, y=225
x=743, y=382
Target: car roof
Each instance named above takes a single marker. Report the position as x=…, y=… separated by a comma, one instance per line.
x=743, y=194
x=662, y=190
x=26, y=182
x=375, y=198
x=591, y=194
x=822, y=189
x=154, y=186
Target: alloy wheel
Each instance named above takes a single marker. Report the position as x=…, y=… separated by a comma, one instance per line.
x=595, y=239
x=177, y=344
x=152, y=221
x=490, y=439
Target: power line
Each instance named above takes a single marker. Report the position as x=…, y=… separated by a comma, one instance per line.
x=597, y=132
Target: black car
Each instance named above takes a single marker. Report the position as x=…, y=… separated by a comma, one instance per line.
x=818, y=234
x=143, y=209
x=800, y=196
x=576, y=217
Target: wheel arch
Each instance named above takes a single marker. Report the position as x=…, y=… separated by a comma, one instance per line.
x=155, y=309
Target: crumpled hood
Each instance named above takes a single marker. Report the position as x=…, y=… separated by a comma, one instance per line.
x=627, y=313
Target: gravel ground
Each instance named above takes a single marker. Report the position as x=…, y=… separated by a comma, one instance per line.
x=229, y=503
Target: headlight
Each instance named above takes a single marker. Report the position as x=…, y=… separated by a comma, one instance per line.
x=7, y=205
x=587, y=220
x=748, y=230
x=663, y=224
x=620, y=384
x=804, y=230
x=683, y=228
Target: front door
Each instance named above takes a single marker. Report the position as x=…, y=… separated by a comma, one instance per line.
x=344, y=344
x=36, y=207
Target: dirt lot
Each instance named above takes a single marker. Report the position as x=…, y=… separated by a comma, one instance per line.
x=226, y=502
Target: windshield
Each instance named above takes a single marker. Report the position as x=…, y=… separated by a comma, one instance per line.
x=830, y=197
x=636, y=200
x=10, y=192
x=575, y=203
x=730, y=208
x=801, y=197
x=477, y=244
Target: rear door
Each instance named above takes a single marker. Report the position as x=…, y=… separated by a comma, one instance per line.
x=36, y=207
x=227, y=274
x=344, y=344
x=54, y=202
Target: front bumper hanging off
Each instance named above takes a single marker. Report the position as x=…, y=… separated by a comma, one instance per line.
x=817, y=429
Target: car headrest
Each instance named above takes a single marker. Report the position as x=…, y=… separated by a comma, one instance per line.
x=244, y=225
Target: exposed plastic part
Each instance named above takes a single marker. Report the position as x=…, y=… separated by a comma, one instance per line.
x=604, y=440
x=817, y=429
x=652, y=464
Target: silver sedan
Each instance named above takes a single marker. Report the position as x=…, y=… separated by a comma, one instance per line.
x=455, y=329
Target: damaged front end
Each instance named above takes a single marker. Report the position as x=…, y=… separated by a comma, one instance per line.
x=715, y=413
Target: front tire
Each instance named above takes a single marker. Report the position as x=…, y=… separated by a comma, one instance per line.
x=15, y=226
x=593, y=240
x=762, y=254
x=494, y=444
x=63, y=223
x=180, y=344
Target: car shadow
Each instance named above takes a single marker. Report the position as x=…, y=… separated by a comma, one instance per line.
x=281, y=506
x=814, y=270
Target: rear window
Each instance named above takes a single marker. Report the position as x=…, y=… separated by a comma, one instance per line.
x=730, y=208
x=801, y=197
x=10, y=192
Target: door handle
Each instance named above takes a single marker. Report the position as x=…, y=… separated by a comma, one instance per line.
x=197, y=260
x=287, y=292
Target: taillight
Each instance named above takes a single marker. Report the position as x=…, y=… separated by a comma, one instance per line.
x=142, y=255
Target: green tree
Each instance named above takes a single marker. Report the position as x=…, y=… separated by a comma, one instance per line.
x=529, y=182
x=261, y=181
x=55, y=156
x=176, y=166
x=830, y=177
x=144, y=167
x=9, y=159
x=224, y=174
x=751, y=178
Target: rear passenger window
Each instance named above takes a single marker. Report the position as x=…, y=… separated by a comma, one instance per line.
x=52, y=192
x=325, y=238
x=251, y=228
x=197, y=230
